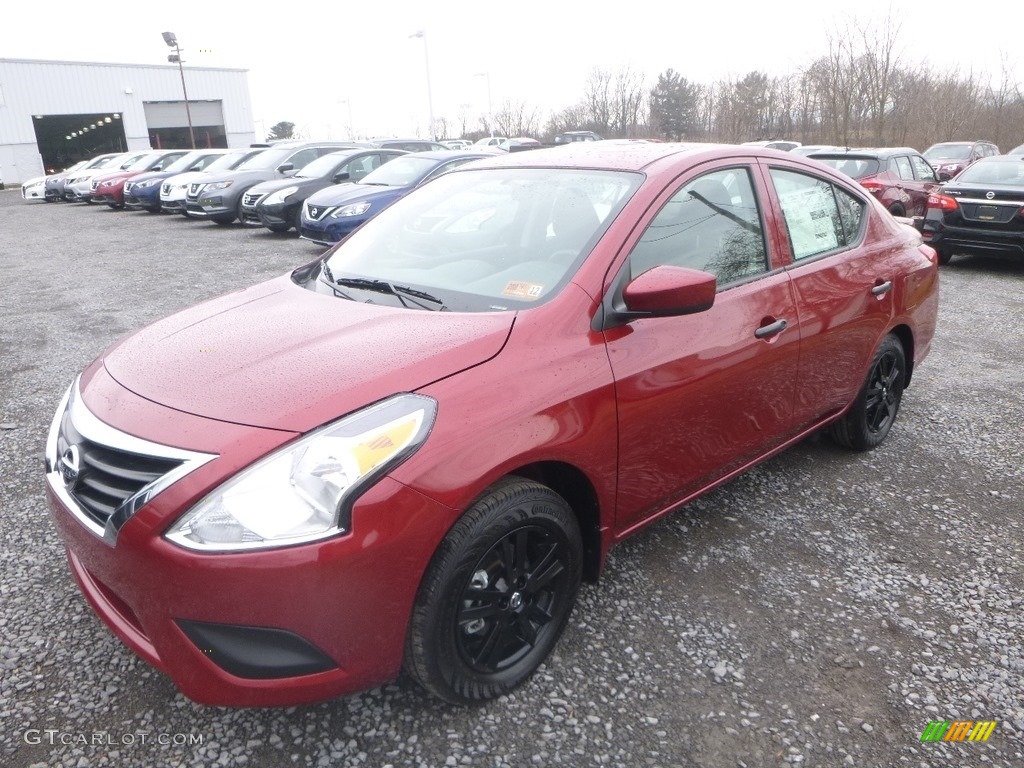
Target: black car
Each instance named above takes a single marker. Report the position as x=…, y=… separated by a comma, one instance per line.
x=571, y=137
x=980, y=212
x=277, y=204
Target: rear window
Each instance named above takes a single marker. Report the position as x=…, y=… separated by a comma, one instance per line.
x=854, y=167
x=948, y=152
x=994, y=172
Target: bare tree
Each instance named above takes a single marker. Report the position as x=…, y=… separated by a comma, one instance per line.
x=514, y=118
x=598, y=98
x=628, y=103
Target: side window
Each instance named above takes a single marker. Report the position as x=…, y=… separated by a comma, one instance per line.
x=922, y=170
x=903, y=167
x=361, y=166
x=814, y=213
x=711, y=224
x=303, y=157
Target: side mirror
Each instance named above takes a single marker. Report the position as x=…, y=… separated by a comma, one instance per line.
x=285, y=167
x=341, y=176
x=666, y=291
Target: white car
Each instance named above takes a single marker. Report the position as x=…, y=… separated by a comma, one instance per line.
x=457, y=143
x=489, y=141
x=174, y=188
x=35, y=189
x=79, y=187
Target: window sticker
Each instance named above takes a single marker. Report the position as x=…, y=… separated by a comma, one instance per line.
x=809, y=216
x=520, y=290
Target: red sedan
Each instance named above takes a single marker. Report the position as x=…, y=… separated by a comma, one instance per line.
x=109, y=188
x=410, y=451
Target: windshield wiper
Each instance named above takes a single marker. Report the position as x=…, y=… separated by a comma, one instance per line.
x=400, y=292
x=328, y=278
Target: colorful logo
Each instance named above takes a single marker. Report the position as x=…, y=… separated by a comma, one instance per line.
x=958, y=730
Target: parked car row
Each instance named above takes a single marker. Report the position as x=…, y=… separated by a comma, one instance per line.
x=261, y=185
x=964, y=196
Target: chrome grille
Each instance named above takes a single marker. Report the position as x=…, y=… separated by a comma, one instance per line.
x=193, y=190
x=102, y=475
x=165, y=189
x=250, y=199
x=107, y=476
x=317, y=212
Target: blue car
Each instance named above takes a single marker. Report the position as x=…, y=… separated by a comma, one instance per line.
x=333, y=213
x=143, y=191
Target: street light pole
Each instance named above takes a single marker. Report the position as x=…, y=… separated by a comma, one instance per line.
x=426, y=63
x=490, y=108
x=172, y=41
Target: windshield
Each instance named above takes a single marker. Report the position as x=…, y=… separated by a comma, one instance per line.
x=401, y=172
x=102, y=162
x=488, y=240
x=231, y=160
x=126, y=163
x=999, y=172
x=266, y=160
x=144, y=161
x=183, y=163
x=854, y=167
x=322, y=166
x=948, y=152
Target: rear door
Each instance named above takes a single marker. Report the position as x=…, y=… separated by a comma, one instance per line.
x=701, y=395
x=925, y=184
x=843, y=275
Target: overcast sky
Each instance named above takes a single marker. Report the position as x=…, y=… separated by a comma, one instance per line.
x=312, y=64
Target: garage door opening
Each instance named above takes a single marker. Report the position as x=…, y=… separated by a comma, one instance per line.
x=63, y=140
x=168, y=124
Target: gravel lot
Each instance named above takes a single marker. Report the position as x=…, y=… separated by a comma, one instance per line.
x=818, y=611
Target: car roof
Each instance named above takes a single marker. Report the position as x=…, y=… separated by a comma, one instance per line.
x=610, y=155
x=451, y=154
x=875, y=152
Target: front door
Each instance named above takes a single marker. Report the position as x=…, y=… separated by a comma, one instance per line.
x=701, y=395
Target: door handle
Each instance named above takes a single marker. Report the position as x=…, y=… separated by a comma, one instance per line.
x=771, y=329
x=882, y=288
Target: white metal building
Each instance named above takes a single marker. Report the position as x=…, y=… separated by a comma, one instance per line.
x=54, y=113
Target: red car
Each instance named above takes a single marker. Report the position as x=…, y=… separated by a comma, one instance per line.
x=109, y=188
x=899, y=178
x=409, y=452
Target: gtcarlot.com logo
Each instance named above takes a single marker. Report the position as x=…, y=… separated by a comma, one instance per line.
x=57, y=737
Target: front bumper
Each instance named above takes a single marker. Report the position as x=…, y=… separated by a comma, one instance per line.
x=137, y=199
x=209, y=206
x=35, y=192
x=276, y=627
x=277, y=215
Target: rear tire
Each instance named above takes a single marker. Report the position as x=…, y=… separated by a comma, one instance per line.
x=496, y=595
x=874, y=411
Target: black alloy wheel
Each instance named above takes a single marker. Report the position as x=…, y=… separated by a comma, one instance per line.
x=496, y=595
x=871, y=417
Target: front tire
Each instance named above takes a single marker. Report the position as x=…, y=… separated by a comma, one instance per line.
x=496, y=595
x=945, y=255
x=871, y=417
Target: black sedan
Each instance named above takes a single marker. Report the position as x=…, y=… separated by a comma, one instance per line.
x=277, y=204
x=981, y=211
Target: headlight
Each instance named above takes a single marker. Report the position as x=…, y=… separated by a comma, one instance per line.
x=216, y=185
x=305, y=491
x=146, y=184
x=949, y=167
x=275, y=198
x=31, y=184
x=351, y=210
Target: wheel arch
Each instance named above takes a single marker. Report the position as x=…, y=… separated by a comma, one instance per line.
x=906, y=338
x=575, y=487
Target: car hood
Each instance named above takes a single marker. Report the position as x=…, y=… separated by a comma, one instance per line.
x=279, y=356
x=187, y=178
x=349, y=193
x=119, y=176
x=147, y=175
x=239, y=177
x=34, y=180
x=266, y=187
x=946, y=161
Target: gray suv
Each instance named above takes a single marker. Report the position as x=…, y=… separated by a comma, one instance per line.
x=219, y=196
